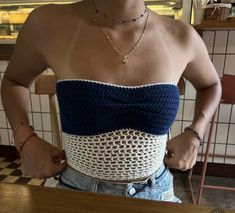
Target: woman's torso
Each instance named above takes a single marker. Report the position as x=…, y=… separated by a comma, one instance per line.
x=74, y=47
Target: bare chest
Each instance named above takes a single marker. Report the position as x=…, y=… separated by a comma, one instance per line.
x=88, y=53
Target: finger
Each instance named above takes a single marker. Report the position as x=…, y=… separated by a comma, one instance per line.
x=171, y=162
x=169, y=154
x=170, y=146
x=62, y=155
x=59, y=157
x=60, y=168
x=58, y=160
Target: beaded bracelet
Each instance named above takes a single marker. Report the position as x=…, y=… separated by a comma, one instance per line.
x=195, y=133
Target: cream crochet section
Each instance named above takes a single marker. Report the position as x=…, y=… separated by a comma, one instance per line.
x=119, y=155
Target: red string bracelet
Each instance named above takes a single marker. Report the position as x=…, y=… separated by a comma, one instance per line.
x=25, y=141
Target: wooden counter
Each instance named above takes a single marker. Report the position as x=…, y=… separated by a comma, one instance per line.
x=34, y=199
x=216, y=25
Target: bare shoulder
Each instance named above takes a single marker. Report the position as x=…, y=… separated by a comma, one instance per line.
x=181, y=36
x=182, y=33
x=48, y=17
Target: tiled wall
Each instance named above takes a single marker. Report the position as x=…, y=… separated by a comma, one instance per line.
x=39, y=114
x=221, y=47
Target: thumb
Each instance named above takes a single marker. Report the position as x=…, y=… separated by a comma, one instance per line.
x=58, y=157
x=170, y=162
x=59, y=168
x=62, y=155
x=170, y=146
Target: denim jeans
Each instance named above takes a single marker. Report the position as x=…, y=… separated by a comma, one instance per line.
x=157, y=187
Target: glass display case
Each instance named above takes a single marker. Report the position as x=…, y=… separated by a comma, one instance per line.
x=13, y=13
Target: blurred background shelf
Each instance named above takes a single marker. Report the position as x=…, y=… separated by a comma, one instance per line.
x=216, y=25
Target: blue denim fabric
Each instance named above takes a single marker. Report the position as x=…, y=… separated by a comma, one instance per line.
x=157, y=187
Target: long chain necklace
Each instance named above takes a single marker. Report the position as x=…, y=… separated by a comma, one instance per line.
x=123, y=56
x=120, y=22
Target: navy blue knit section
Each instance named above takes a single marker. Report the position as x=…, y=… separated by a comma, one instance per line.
x=90, y=108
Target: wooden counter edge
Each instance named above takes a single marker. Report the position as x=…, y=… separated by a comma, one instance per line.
x=44, y=197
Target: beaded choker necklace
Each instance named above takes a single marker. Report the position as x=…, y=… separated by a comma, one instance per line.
x=133, y=48
x=119, y=22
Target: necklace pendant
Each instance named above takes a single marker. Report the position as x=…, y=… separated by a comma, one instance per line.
x=124, y=60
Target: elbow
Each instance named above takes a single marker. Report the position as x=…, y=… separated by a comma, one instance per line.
x=214, y=89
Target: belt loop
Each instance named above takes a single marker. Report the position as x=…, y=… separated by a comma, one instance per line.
x=94, y=185
x=127, y=189
x=152, y=179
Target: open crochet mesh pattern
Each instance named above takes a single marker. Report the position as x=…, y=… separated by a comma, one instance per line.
x=118, y=155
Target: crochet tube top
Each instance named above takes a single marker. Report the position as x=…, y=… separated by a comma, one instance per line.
x=114, y=132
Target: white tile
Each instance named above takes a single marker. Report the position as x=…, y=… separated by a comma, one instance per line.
x=189, y=110
x=3, y=123
x=199, y=156
x=190, y=92
x=5, y=137
x=32, y=88
x=185, y=124
x=220, y=41
x=176, y=128
x=218, y=160
x=224, y=113
x=233, y=115
x=39, y=133
x=231, y=42
x=210, y=56
x=45, y=103
x=218, y=62
x=208, y=38
x=35, y=103
x=222, y=132
x=48, y=137
x=231, y=136
x=180, y=111
x=1, y=106
x=31, y=118
x=229, y=161
x=220, y=149
x=204, y=147
x=37, y=121
x=46, y=121
x=230, y=65
x=231, y=150
x=3, y=65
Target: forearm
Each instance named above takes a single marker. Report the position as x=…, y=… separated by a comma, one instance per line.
x=207, y=101
x=15, y=99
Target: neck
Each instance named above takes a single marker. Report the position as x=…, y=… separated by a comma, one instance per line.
x=120, y=9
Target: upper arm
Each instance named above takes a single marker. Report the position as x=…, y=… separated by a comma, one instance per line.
x=199, y=71
x=27, y=60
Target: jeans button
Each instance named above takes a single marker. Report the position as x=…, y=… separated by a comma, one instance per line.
x=132, y=191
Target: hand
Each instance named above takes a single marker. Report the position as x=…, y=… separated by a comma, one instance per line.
x=182, y=151
x=39, y=159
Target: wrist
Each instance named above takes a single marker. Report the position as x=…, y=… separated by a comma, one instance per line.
x=26, y=140
x=22, y=132
x=194, y=132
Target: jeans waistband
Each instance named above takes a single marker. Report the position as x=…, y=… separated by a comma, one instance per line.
x=75, y=180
